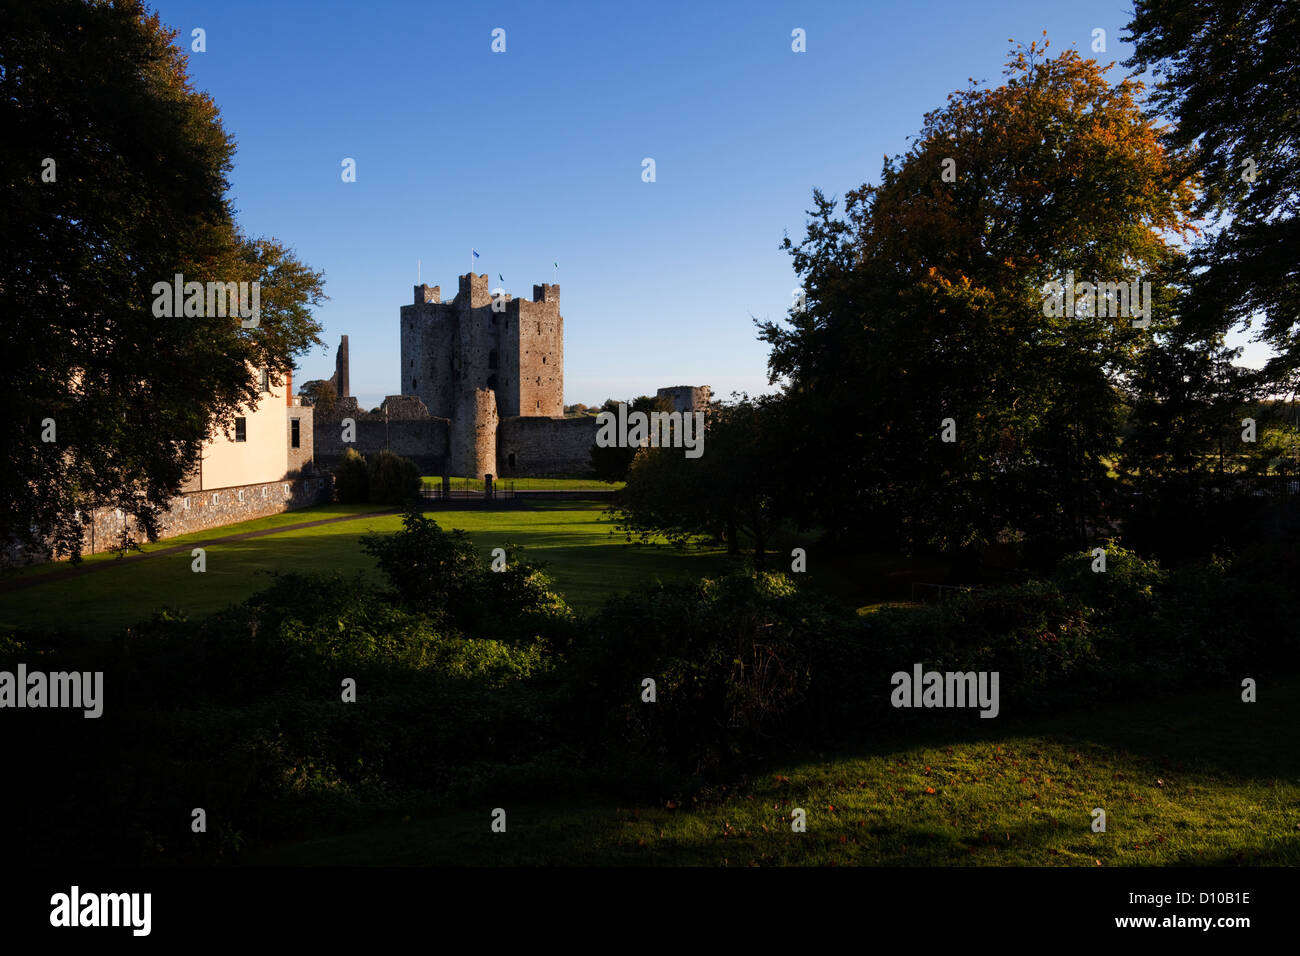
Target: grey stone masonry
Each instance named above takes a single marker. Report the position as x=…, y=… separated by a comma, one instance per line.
x=203, y=510
x=482, y=340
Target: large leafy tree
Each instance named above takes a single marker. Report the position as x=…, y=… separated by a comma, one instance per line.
x=925, y=303
x=114, y=178
x=737, y=489
x=612, y=463
x=1228, y=75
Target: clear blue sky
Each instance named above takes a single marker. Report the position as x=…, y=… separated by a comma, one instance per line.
x=535, y=155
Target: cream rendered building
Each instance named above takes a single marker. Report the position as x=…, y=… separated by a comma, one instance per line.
x=268, y=442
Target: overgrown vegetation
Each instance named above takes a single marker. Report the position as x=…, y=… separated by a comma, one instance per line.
x=473, y=682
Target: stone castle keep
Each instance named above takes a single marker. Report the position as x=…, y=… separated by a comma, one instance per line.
x=482, y=389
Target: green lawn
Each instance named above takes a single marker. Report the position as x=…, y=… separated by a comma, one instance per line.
x=587, y=562
x=297, y=516
x=529, y=484
x=1199, y=780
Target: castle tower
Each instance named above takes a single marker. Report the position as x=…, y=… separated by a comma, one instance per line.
x=473, y=451
x=453, y=353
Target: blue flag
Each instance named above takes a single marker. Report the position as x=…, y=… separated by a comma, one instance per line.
x=475, y=251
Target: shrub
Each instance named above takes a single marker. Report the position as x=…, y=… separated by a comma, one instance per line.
x=352, y=478
x=442, y=575
x=1128, y=585
x=394, y=480
x=730, y=662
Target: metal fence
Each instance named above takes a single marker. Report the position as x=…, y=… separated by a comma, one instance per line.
x=469, y=488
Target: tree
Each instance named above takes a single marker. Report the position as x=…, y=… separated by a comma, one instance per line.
x=393, y=479
x=735, y=488
x=114, y=180
x=319, y=394
x=948, y=398
x=1228, y=77
x=611, y=464
x=352, y=478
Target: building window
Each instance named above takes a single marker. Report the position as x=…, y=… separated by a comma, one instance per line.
x=492, y=359
x=293, y=432
x=512, y=461
x=539, y=405
x=266, y=379
x=241, y=429
x=414, y=383
x=492, y=381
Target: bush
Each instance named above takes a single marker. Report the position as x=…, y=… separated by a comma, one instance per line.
x=441, y=574
x=1128, y=585
x=433, y=571
x=352, y=478
x=394, y=480
x=731, y=666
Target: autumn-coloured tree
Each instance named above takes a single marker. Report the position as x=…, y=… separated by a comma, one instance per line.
x=925, y=314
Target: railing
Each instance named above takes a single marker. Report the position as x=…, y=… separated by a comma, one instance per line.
x=466, y=488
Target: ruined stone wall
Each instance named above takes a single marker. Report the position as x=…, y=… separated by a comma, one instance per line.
x=342, y=375
x=687, y=398
x=528, y=446
x=408, y=430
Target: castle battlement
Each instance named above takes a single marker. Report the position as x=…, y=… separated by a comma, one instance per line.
x=452, y=351
x=473, y=291
x=482, y=392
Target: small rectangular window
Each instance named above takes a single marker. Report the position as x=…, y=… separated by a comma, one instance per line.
x=266, y=379
x=241, y=429
x=293, y=432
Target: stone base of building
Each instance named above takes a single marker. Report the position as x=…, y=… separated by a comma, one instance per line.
x=214, y=508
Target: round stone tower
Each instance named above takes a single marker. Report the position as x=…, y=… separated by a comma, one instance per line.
x=473, y=451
